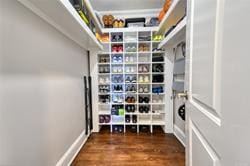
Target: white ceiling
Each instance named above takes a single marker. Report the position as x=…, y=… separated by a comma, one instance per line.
x=116, y=5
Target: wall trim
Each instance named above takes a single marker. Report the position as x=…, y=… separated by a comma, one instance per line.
x=73, y=150
x=180, y=135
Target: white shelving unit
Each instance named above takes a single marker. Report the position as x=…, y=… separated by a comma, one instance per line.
x=62, y=15
x=149, y=119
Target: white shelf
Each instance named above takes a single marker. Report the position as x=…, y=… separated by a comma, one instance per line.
x=144, y=123
x=177, y=34
x=130, y=29
x=62, y=15
x=104, y=112
x=175, y=12
x=104, y=124
x=93, y=15
x=158, y=122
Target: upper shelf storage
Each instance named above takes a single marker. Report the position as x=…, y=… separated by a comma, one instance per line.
x=62, y=15
x=176, y=35
x=176, y=11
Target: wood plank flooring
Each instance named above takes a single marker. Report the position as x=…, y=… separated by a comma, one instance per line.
x=131, y=149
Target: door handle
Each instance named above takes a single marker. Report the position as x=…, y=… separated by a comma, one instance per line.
x=183, y=95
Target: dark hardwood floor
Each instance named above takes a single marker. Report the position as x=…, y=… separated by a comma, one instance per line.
x=131, y=149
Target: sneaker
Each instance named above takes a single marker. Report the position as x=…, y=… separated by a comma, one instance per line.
x=120, y=99
x=119, y=70
x=101, y=81
x=131, y=59
x=120, y=80
x=132, y=69
x=146, y=90
x=145, y=69
x=115, y=70
x=107, y=81
x=115, y=99
x=141, y=90
x=141, y=79
x=115, y=59
x=146, y=79
x=120, y=59
x=133, y=79
x=140, y=69
x=128, y=79
x=133, y=89
x=127, y=59
x=127, y=69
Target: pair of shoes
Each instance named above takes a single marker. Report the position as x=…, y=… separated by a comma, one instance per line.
x=130, y=108
x=130, y=99
x=131, y=49
x=143, y=99
x=117, y=69
x=130, y=69
x=104, y=89
x=129, y=59
x=117, y=88
x=128, y=119
x=131, y=88
x=157, y=38
x=144, y=109
x=130, y=79
x=103, y=59
x=143, y=89
x=143, y=69
x=104, y=119
x=117, y=48
x=117, y=38
x=144, y=48
x=117, y=110
x=104, y=80
x=143, y=79
x=118, y=129
x=117, y=98
x=117, y=59
x=158, y=68
x=104, y=98
x=158, y=101
x=103, y=69
x=117, y=79
x=158, y=89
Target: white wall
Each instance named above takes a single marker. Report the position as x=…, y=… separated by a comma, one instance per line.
x=41, y=90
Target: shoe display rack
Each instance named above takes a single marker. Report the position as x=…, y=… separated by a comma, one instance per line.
x=131, y=87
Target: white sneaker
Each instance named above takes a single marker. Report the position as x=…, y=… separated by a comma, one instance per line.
x=119, y=69
x=107, y=81
x=131, y=59
x=146, y=79
x=101, y=81
x=115, y=70
x=141, y=79
x=140, y=69
x=146, y=90
x=127, y=69
x=132, y=69
x=127, y=59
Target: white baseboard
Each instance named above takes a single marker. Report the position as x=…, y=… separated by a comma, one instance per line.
x=73, y=150
x=180, y=135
